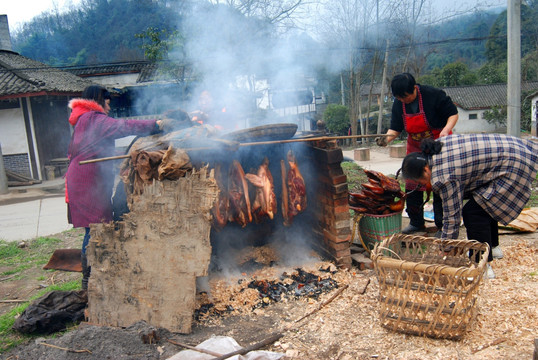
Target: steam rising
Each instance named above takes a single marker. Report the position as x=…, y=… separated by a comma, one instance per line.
x=240, y=63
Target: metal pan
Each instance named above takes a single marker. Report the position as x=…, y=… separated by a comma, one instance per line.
x=263, y=133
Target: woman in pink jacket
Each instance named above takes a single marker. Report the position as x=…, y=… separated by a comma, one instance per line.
x=89, y=187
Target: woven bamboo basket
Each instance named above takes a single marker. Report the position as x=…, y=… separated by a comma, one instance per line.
x=428, y=286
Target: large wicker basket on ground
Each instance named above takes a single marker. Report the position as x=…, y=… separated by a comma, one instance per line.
x=428, y=286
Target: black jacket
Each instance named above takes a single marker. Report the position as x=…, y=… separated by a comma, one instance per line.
x=437, y=106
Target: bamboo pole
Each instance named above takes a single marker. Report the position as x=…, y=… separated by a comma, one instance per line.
x=319, y=138
x=271, y=142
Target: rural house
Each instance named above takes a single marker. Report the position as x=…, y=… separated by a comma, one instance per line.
x=34, y=131
x=474, y=100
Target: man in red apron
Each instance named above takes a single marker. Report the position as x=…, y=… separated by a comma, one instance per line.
x=423, y=112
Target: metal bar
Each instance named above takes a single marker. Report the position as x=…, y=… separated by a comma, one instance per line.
x=319, y=138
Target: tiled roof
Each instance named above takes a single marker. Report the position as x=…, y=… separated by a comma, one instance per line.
x=376, y=89
x=147, y=71
x=474, y=97
x=108, y=69
x=21, y=76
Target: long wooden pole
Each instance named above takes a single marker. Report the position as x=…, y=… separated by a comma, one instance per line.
x=271, y=142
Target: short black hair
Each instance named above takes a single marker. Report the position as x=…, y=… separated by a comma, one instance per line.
x=96, y=93
x=402, y=84
x=413, y=166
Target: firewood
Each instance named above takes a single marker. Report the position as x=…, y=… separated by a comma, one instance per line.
x=194, y=348
x=252, y=347
x=493, y=343
x=66, y=349
x=324, y=303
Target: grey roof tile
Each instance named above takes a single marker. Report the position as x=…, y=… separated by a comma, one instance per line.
x=476, y=97
x=20, y=75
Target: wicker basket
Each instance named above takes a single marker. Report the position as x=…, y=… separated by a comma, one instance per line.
x=428, y=286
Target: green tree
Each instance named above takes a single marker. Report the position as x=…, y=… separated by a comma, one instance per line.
x=452, y=74
x=496, y=115
x=157, y=43
x=497, y=44
x=96, y=32
x=336, y=118
x=529, y=67
x=491, y=73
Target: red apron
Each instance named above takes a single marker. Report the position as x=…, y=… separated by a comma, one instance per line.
x=418, y=128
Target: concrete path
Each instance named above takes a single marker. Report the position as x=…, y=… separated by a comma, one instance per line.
x=380, y=160
x=33, y=211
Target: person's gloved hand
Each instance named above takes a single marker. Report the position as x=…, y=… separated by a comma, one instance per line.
x=166, y=125
x=381, y=141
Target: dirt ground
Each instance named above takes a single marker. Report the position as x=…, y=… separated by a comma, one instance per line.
x=345, y=328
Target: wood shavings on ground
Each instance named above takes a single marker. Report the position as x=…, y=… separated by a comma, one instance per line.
x=507, y=318
x=349, y=328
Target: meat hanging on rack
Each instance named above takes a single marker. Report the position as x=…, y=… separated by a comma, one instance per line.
x=293, y=190
x=239, y=210
x=264, y=204
x=378, y=196
x=222, y=205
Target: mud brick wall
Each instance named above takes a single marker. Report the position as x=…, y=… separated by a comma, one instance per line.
x=145, y=267
x=332, y=210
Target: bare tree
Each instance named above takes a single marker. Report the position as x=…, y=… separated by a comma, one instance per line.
x=281, y=13
x=353, y=26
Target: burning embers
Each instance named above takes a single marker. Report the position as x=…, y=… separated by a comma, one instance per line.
x=255, y=293
x=378, y=195
x=234, y=201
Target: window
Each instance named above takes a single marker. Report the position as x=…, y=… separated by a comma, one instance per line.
x=473, y=116
x=9, y=104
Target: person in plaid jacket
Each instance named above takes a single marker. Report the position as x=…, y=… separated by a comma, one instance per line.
x=485, y=179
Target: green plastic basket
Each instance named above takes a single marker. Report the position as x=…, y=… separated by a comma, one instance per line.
x=374, y=229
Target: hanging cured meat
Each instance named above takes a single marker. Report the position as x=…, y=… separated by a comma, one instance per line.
x=239, y=209
x=264, y=204
x=295, y=189
x=220, y=209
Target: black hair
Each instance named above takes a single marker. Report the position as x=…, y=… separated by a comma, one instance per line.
x=413, y=164
x=402, y=84
x=96, y=93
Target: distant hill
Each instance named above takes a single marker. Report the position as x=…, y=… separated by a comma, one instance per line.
x=96, y=32
x=447, y=50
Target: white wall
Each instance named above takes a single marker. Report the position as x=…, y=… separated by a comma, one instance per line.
x=12, y=132
x=466, y=125
x=534, y=115
x=116, y=80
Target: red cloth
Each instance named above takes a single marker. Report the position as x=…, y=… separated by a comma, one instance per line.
x=90, y=186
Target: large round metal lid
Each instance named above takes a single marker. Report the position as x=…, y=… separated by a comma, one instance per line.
x=263, y=133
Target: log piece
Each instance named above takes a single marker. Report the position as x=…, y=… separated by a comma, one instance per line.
x=145, y=267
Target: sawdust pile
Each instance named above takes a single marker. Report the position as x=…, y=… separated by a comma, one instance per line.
x=505, y=327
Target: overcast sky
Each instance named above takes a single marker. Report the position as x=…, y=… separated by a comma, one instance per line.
x=20, y=11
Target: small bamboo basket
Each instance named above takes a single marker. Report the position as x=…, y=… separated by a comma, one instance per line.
x=428, y=286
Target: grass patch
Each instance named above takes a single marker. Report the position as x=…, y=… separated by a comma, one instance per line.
x=355, y=176
x=36, y=253
x=10, y=338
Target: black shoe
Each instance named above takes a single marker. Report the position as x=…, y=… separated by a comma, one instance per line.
x=410, y=229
